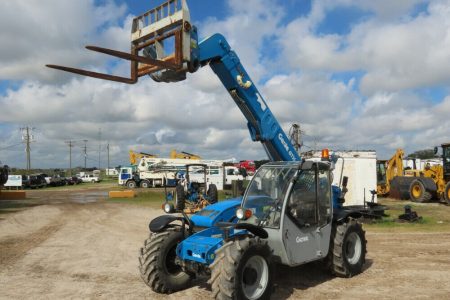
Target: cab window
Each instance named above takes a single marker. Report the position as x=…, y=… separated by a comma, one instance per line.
x=302, y=201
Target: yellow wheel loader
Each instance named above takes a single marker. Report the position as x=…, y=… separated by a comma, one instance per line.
x=431, y=183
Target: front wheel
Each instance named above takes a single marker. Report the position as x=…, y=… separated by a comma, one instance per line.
x=447, y=193
x=180, y=197
x=418, y=193
x=242, y=270
x=131, y=184
x=347, y=253
x=157, y=263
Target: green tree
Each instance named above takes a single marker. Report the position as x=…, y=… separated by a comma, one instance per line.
x=422, y=154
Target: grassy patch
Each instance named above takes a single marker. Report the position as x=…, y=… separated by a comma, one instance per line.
x=155, y=198
x=147, y=198
x=435, y=217
x=87, y=185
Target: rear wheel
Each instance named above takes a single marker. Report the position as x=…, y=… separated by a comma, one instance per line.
x=180, y=197
x=242, y=270
x=145, y=184
x=417, y=192
x=212, y=193
x=348, y=249
x=447, y=193
x=157, y=263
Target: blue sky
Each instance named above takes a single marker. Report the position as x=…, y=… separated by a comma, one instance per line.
x=355, y=74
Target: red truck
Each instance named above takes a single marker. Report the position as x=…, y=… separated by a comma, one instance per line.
x=248, y=165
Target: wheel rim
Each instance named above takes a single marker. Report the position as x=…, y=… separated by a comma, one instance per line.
x=416, y=191
x=171, y=267
x=353, y=248
x=448, y=194
x=255, y=277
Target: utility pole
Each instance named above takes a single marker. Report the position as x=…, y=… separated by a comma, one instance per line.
x=107, y=147
x=99, y=146
x=295, y=136
x=70, y=144
x=85, y=153
x=28, y=138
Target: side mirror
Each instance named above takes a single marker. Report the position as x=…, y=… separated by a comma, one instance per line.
x=344, y=182
x=436, y=150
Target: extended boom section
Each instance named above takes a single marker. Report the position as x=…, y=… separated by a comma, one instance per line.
x=262, y=124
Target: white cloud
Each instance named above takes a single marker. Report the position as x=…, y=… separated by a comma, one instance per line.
x=396, y=51
x=395, y=55
x=39, y=32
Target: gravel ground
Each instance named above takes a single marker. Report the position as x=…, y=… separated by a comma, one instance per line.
x=78, y=245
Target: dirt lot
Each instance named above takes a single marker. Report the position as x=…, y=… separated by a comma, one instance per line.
x=77, y=245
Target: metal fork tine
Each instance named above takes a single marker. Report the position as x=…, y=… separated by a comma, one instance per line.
x=94, y=74
x=132, y=57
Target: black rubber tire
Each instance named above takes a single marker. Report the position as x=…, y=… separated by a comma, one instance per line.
x=131, y=184
x=423, y=196
x=145, y=184
x=227, y=270
x=4, y=175
x=213, y=194
x=157, y=265
x=180, y=197
x=447, y=193
x=338, y=257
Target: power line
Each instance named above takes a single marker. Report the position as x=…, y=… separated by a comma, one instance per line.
x=10, y=146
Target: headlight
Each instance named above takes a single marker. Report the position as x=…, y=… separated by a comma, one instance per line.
x=168, y=208
x=242, y=214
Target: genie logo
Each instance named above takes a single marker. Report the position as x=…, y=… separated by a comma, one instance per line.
x=303, y=239
x=286, y=146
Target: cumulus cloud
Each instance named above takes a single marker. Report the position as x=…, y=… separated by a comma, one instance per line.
x=397, y=54
x=392, y=53
x=38, y=32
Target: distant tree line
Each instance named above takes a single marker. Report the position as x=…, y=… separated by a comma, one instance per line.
x=423, y=154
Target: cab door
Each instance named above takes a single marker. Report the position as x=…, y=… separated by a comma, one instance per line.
x=307, y=221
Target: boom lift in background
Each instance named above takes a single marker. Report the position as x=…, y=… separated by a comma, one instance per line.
x=135, y=157
x=183, y=155
x=289, y=214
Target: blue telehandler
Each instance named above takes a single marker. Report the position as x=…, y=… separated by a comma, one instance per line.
x=289, y=214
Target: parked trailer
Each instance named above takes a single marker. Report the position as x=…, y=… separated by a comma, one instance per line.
x=360, y=168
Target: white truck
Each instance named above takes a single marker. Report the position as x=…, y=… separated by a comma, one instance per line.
x=90, y=178
x=159, y=172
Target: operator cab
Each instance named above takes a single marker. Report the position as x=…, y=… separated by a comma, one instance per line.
x=296, y=199
x=446, y=160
